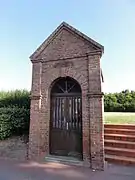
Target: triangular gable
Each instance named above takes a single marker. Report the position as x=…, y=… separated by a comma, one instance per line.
x=66, y=26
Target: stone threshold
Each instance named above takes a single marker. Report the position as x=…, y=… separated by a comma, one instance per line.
x=65, y=160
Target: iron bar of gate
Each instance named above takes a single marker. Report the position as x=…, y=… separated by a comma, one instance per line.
x=65, y=94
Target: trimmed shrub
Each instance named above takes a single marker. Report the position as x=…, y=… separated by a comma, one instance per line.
x=19, y=98
x=14, y=113
x=13, y=121
x=5, y=123
x=19, y=120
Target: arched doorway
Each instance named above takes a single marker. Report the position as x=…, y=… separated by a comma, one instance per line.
x=66, y=118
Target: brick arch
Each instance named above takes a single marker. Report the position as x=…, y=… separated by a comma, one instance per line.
x=82, y=81
x=53, y=135
x=79, y=79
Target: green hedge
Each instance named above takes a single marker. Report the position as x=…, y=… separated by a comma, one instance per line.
x=5, y=123
x=19, y=98
x=14, y=113
x=13, y=121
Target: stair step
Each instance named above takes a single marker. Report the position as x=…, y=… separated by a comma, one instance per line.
x=119, y=126
x=119, y=131
x=120, y=152
x=64, y=160
x=119, y=144
x=121, y=137
x=120, y=159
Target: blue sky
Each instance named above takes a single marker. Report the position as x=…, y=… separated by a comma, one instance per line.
x=25, y=24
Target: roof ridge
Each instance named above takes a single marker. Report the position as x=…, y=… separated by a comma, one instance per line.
x=54, y=33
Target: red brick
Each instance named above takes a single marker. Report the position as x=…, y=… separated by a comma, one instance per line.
x=68, y=53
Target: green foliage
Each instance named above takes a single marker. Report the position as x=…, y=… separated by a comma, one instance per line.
x=5, y=124
x=120, y=102
x=19, y=98
x=19, y=118
x=14, y=113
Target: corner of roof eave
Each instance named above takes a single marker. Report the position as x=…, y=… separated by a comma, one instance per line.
x=33, y=56
x=101, y=49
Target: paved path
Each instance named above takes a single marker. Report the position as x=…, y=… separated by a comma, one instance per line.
x=13, y=170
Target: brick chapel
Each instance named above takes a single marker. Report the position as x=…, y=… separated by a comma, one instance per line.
x=66, y=116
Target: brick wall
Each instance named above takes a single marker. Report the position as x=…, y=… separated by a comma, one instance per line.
x=67, y=54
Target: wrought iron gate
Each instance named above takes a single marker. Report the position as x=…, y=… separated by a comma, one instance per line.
x=66, y=119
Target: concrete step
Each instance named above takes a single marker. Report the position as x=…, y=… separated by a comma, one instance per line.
x=119, y=144
x=119, y=126
x=121, y=137
x=119, y=131
x=120, y=159
x=64, y=160
x=120, y=152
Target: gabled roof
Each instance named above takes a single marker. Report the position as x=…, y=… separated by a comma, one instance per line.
x=72, y=29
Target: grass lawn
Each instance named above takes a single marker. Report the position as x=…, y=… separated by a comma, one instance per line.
x=119, y=118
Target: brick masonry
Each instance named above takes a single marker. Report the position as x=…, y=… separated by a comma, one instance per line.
x=68, y=52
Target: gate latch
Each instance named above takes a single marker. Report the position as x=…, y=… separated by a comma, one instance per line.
x=67, y=125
